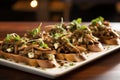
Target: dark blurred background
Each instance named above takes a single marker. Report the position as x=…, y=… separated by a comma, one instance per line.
x=53, y=10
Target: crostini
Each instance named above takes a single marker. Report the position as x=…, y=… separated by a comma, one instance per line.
x=65, y=41
x=102, y=29
x=59, y=39
x=33, y=52
x=82, y=36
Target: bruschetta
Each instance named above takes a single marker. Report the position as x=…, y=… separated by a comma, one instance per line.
x=82, y=36
x=33, y=52
x=104, y=32
x=64, y=41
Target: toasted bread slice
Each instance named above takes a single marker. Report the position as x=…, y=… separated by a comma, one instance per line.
x=28, y=61
x=47, y=63
x=114, y=41
x=70, y=57
x=96, y=47
x=18, y=58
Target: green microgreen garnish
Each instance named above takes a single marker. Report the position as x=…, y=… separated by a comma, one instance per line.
x=12, y=37
x=71, y=64
x=76, y=21
x=61, y=26
x=42, y=44
x=57, y=35
x=35, y=32
x=98, y=20
x=76, y=24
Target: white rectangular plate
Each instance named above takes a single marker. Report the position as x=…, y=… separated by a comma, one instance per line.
x=56, y=72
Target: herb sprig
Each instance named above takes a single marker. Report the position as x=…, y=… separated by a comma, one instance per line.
x=98, y=20
x=35, y=32
x=12, y=37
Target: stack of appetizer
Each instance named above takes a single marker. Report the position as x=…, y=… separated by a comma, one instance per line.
x=64, y=41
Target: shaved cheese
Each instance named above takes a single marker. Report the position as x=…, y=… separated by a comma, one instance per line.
x=56, y=45
x=31, y=55
x=9, y=49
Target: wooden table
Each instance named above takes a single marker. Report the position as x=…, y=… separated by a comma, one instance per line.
x=105, y=68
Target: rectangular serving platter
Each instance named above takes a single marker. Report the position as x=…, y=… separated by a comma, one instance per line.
x=59, y=71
